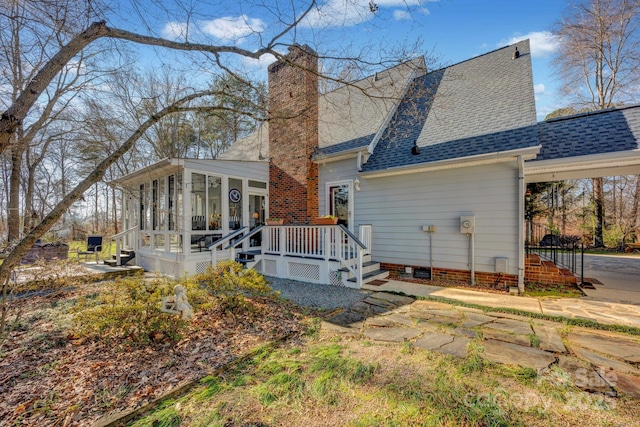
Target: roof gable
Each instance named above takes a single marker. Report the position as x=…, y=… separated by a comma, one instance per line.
x=480, y=106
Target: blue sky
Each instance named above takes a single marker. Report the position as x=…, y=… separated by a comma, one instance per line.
x=454, y=30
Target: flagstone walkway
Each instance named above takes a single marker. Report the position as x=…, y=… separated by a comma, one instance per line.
x=595, y=361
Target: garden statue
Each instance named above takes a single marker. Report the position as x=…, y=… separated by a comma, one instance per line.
x=178, y=304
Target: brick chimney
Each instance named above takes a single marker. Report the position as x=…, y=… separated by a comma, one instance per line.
x=293, y=136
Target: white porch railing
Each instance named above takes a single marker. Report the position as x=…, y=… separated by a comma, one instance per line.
x=127, y=239
x=333, y=242
x=366, y=237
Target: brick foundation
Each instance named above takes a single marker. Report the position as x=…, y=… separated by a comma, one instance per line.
x=451, y=275
x=293, y=136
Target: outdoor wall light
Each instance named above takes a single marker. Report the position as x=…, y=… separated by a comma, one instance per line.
x=356, y=184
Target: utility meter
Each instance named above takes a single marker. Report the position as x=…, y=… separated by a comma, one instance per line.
x=467, y=224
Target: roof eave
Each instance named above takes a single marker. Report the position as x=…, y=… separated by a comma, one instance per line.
x=476, y=160
x=151, y=169
x=626, y=162
x=341, y=155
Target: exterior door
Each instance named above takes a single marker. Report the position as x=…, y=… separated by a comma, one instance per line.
x=340, y=202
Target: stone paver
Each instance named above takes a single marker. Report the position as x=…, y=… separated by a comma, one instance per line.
x=392, y=334
x=603, y=361
x=440, y=320
x=513, y=326
x=401, y=319
x=613, y=346
x=628, y=384
x=549, y=339
x=420, y=315
x=457, y=348
x=476, y=319
x=396, y=300
x=584, y=376
x=381, y=322
x=378, y=302
x=507, y=339
x=347, y=318
x=430, y=305
x=469, y=333
x=494, y=334
x=433, y=340
x=513, y=354
x=454, y=314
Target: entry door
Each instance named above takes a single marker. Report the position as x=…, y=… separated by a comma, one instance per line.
x=340, y=202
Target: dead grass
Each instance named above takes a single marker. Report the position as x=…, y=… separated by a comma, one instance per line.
x=326, y=380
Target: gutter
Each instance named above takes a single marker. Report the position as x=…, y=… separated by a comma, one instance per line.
x=477, y=160
x=592, y=161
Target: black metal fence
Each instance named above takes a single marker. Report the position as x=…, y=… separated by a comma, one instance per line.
x=564, y=251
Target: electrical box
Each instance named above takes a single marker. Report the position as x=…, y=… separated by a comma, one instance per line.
x=467, y=224
x=502, y=264
x=429, y=228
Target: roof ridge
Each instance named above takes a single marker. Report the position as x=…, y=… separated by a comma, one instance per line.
x=480, y=56
x=590, y=113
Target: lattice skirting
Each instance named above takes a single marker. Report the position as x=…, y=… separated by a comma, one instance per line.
x=202, y=266
x=335, y=278
x=304, y=271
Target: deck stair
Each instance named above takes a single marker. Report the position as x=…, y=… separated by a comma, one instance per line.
x=249, y=258
x=126, y=255
x=370, y=271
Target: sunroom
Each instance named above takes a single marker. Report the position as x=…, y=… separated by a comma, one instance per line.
x=175, y=209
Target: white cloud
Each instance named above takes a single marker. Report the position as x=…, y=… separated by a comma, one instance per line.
x=538, y=89
x=175, y=30
x=543, y=43
x=233, y=29
x=263, y=61
x=335, y=13
x=401, y=15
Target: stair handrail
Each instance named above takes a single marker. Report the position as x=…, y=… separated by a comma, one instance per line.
x=119, y=238
x=224, y=239
x=233, y=245
x=357, y=271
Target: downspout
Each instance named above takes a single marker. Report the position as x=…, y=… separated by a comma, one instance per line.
x=521, y=193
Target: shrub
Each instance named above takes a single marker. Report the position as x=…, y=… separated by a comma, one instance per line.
x=230, y=282
x=129, y=310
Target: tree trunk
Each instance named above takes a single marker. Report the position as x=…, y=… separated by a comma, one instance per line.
x=598, y=202
x=13, y=216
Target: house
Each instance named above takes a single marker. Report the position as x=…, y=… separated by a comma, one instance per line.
x=425, y=170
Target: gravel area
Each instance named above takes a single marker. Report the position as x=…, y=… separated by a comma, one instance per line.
x=317, y=296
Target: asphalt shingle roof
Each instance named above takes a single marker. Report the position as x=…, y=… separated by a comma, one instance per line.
x=361, y=142
x=480, y=106
x=591, y=133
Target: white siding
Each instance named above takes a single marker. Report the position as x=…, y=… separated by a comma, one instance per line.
x=399, y=206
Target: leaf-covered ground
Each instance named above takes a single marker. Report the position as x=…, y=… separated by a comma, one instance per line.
x=49, y=376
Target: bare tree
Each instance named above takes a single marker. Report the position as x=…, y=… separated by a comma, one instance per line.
x=598, y=62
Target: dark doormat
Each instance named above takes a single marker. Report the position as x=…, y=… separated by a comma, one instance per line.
x=377, y=282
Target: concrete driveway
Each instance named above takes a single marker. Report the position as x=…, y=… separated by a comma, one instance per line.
x=616, y=278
